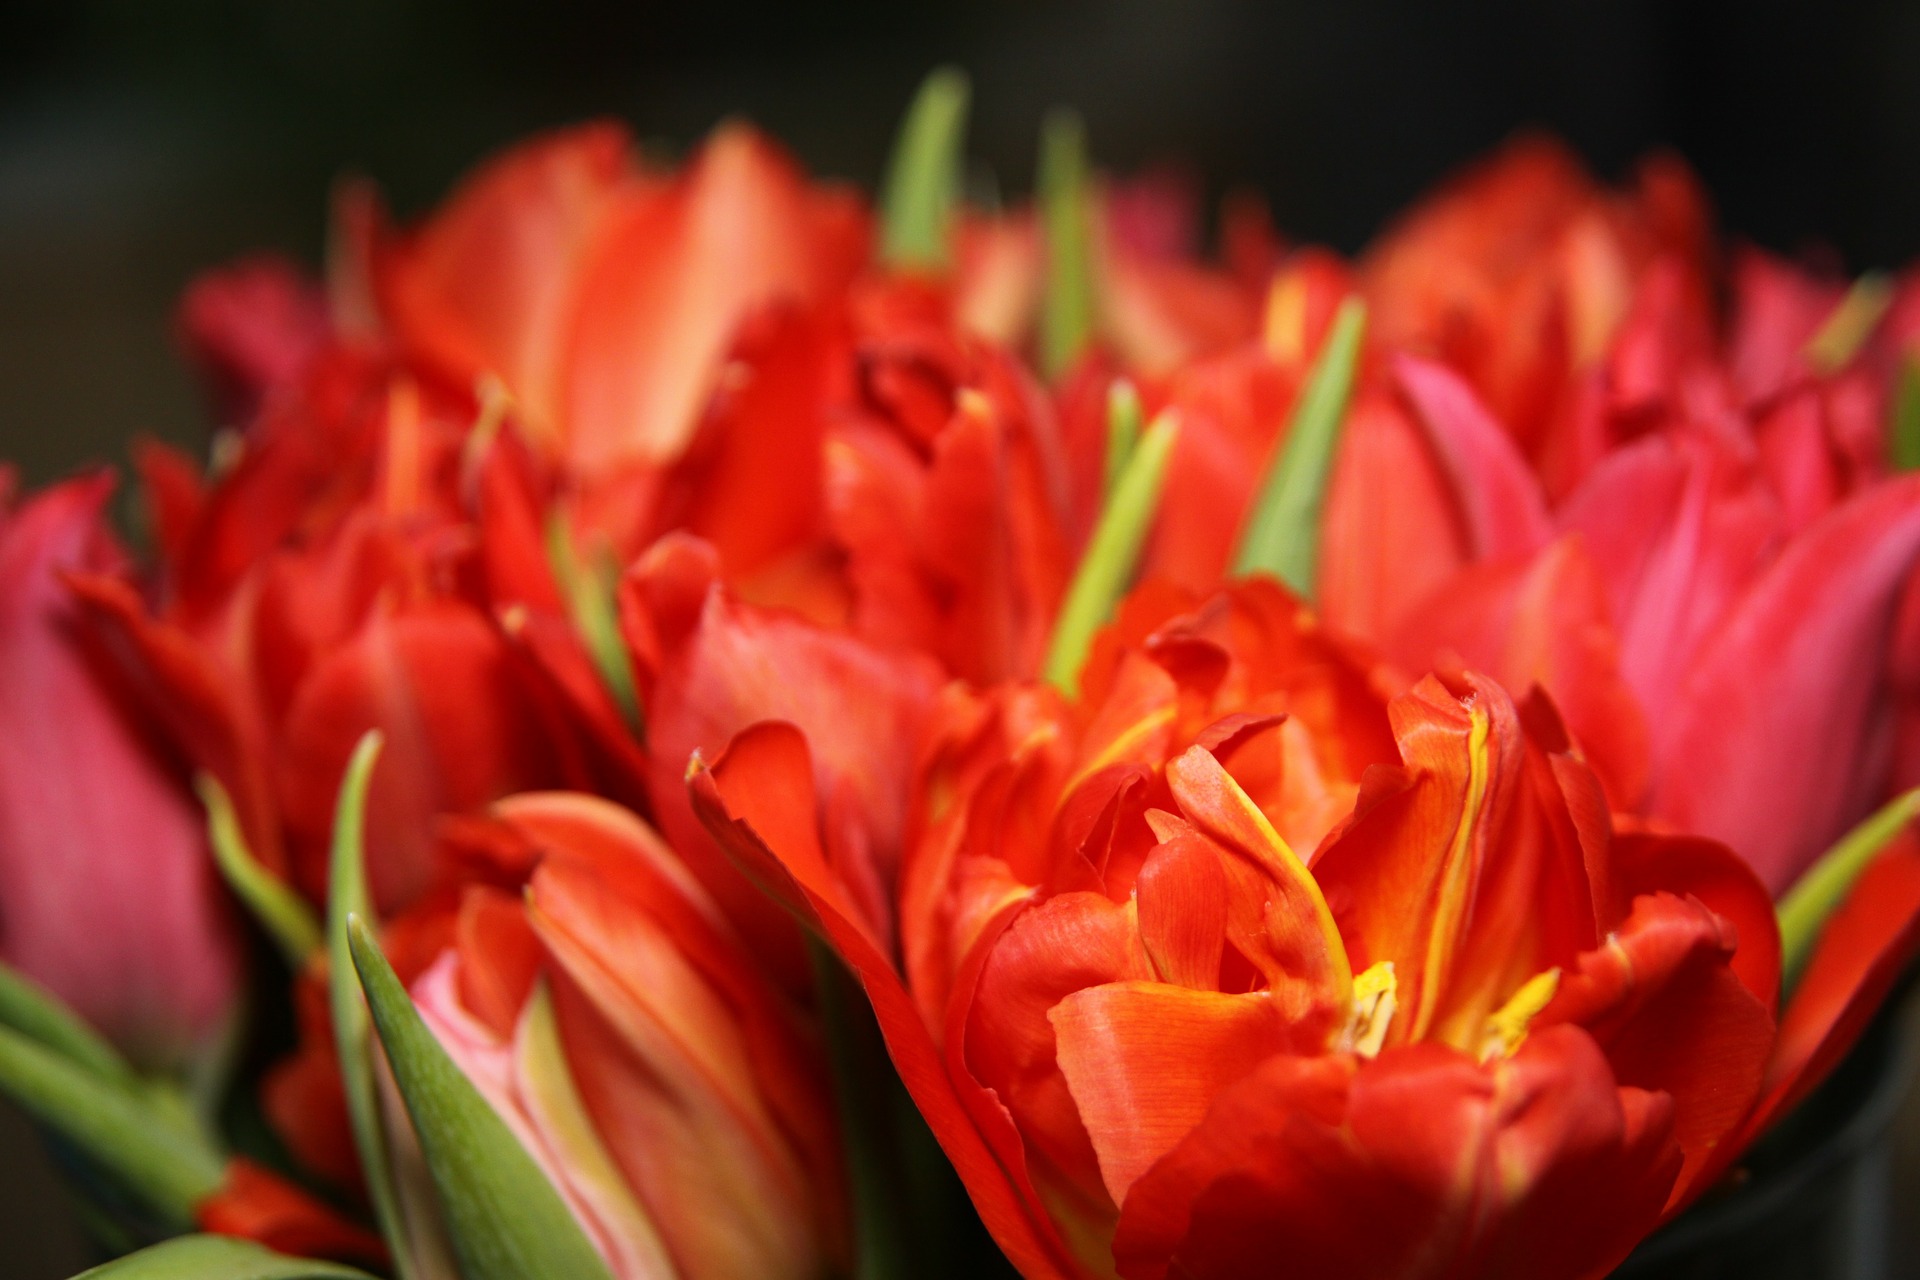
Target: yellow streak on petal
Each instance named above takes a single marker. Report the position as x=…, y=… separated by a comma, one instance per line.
x=1457, y=877
x=1507, y=1026
x=1123, y=743
x=1285, y=864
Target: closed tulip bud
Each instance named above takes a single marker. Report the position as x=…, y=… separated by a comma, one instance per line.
x=108, y=892
x=627, y=1037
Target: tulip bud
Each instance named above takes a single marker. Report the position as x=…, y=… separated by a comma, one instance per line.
x=108, y=893
x=624, y=1034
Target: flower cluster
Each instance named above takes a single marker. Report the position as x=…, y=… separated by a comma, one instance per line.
x=1398, y=764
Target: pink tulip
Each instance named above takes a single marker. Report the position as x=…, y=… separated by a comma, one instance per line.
x=108, y=894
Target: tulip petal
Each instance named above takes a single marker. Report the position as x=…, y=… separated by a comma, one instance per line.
x=1501, y=507
x=1762, y=748
x=666, y=282
x=1144, y=1060
x=1421, y=1164
x=758, y=800
x=484, y=286
x=1672, y=1016
x=258, y=1205
x=1405, y=869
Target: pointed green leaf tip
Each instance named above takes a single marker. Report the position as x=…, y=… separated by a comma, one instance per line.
x=1834, y=345
x=217, y=1258
x=1282, y=536
x=347, y=898
x=1811, y=902
x=286, y=918
x=925, y=176
x=1065, y=188
x=1905, y=445
x=1106, y=570
x=589, y=585
x=506, y=1219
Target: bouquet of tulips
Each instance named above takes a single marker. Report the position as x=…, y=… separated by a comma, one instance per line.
x=693, y=725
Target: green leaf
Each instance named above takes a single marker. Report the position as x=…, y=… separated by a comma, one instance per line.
x=1106, y=569
x=1905, y=445
x=1065, y=188
x=217, y=1258
x=506, y=1220
x=141, y=1146
x=37, y=1014
x=1125, y=421
x=925, y=175
x=288, y=920
x=1838, y=340
x=1282, y=536
x=347, y=898
x=589, y=589
x=1807, y=907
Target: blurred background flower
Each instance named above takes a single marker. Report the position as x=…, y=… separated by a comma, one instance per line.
x=142, y=143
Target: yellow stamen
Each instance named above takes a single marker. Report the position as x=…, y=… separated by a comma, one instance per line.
x=1507, y=1026
x=1375, y=997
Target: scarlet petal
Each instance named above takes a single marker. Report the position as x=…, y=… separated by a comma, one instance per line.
x=1419, y=1164
x=1665, y=1005
x=667, y=281
x=1864, y=948
x=1377, y=557
x=485, y=286
x=1145, y=1060
x=256, y=1204
x=460, y=731
x=1500, y=502
x=1768, y=745
x=1705, y=869
x=724, y=666
x=758, y=801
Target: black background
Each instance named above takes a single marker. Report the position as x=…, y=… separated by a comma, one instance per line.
x=141, y=139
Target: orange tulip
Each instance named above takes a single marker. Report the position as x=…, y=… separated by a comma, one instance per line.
x=1241, y=958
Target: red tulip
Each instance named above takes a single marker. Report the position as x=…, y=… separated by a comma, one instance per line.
x=321, y=586
x=108, y=894
x=711, y=666
x=1697, y=633
x=1239, y=959
x=605, y=296
x=1519, y=271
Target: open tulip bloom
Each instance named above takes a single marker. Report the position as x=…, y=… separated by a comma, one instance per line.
x=757, y=734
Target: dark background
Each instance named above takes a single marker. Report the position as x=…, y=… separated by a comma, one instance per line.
x=140, y=140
